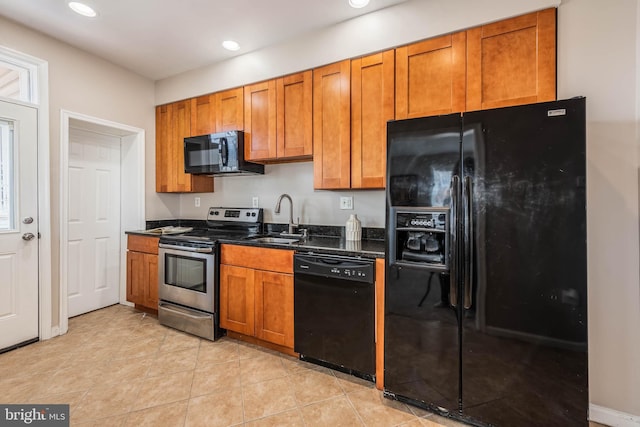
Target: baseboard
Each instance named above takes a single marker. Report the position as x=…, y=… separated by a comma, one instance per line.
x=611, y=417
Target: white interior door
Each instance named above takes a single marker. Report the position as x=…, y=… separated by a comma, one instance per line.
x=93, y=241
x=18, y=224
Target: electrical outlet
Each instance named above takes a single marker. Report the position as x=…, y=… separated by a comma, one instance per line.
x=197, y=202
x=255, y=202
x=346, y=202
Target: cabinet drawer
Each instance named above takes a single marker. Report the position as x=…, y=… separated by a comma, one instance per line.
x=279, y=260
x=143, y=244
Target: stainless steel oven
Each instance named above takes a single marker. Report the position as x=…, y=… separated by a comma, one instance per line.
x=187, y=270
x=186, y=277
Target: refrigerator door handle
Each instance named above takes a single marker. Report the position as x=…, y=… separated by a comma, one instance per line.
x=453, y=228
x=468, y=243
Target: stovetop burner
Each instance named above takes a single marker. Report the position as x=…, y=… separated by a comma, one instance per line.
x=222, y=223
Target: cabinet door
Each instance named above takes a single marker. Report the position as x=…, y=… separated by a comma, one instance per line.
x=332, y=126
x=372, y=105
x=136, y=272
x=237, y=299
x=274, y=307
x=203, y=115
x=512, y=62
x=430, y=77
x=229, y=110
x=294, y=114
x=151, y=277
x=260, y=121
x=173, y=124
x=163, y=148
x=181, y=122
x=142, y=279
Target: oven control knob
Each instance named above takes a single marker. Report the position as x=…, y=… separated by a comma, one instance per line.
x=414, y=222
x=253, y=214
x=248, y=214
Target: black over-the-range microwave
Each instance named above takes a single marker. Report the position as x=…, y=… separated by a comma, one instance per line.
x=218, y=154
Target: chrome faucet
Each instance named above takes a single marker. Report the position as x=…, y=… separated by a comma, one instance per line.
x=277, y=210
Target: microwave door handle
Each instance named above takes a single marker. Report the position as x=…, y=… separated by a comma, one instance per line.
x=224, y=151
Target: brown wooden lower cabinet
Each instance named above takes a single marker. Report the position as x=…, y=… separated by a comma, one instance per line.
x=256, y=294
x=142, y=272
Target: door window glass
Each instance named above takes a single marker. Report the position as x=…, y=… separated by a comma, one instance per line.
x=7, y=198
x=15, y=82
x=19, y=76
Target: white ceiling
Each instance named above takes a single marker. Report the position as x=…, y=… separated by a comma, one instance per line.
x=161, y=38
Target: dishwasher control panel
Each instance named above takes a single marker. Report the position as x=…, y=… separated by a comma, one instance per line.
x=337, y=267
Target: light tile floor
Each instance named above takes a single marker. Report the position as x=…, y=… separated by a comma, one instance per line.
x=119, y=367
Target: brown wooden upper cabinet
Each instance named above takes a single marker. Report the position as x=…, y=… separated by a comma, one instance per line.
x=260, y=121
x=203, y=115
x=278, y=119
x=372, y=105
x=230, y=110
x=332, y=126
x=294, y=115
x=512, y=62
x=173, y=124
x=430, y=77
x=216, y=112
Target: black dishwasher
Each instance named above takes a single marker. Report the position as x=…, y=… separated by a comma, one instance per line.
x=334, y=312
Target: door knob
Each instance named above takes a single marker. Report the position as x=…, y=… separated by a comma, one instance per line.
x=28, y=236
x=27, y=220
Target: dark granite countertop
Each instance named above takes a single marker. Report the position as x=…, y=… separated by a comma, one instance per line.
x=366, y=248
x=322, y=239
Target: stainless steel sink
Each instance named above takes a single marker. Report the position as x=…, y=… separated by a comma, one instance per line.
x=281, y=240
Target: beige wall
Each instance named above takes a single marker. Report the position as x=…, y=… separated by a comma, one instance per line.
x=295, y=179
x=82, y=83
x=597, y=57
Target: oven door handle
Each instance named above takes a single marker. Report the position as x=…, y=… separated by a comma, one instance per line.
x=182, y=312
x=185, y=248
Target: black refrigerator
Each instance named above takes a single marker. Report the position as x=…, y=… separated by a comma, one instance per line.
x=486, y=274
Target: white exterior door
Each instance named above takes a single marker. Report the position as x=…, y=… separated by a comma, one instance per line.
x=18, y=224
x=93, y=241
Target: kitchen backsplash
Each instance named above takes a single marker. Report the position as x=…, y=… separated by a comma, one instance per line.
x=296, y=179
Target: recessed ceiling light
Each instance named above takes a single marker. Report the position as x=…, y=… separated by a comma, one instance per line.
x=358, y=3
x=230, y=45
x=82, y=9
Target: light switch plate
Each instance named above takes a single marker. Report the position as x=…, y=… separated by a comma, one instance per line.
x=197, y=202
x=346, y=202
x=255, y=202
